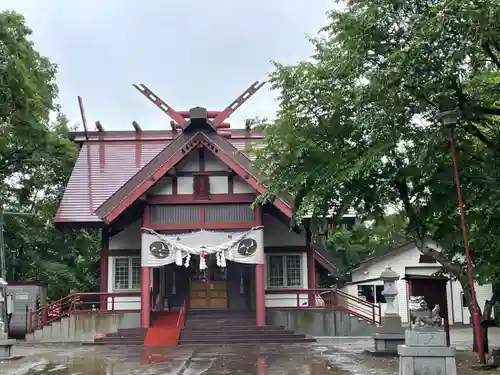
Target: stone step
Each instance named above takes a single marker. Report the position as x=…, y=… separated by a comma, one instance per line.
x=185, y=334
x=244, y=340
x=240, y=329
x=120, y=340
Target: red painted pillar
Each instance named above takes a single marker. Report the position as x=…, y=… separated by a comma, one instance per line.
x=145, y=297
x=260, y=287
x=103, y=272
x=260, y=296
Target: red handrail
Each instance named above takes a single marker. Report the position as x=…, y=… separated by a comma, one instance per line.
x=79, y=303
x=331, y=299
x=182, y=315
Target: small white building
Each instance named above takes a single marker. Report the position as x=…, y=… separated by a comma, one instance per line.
x=408, y=260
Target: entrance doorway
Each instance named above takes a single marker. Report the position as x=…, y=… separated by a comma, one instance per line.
x=208, y=289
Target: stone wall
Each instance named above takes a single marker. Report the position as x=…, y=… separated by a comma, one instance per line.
x=320, y=322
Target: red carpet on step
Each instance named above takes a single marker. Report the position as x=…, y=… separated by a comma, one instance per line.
x=163, y=330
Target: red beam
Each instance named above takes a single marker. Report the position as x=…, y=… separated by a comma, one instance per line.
x=210, y=173
x=151, y=180
x=211, y=114
x=237, y=103
x=201, y=225
x=251, y=180
x=190, y=199
x=155, y=99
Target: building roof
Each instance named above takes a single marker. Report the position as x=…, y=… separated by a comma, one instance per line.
x=393, y=251
x=107, y=160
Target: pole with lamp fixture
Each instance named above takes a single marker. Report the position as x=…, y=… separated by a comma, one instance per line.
x=450, y=119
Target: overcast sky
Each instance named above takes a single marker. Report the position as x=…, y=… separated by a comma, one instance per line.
x=189, y=52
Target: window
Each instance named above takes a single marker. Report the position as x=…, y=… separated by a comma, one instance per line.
x=284, y=271
x=366, y=291
x=426, y=258
x=201, y=186
x=379, y=297
x=127, y=273
x=464, y=301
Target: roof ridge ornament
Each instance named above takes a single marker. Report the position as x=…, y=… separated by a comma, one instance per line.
x=215, y=119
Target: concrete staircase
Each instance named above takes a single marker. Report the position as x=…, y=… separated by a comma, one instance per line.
x=233, y=327
x=125, y=336
x=83, y=328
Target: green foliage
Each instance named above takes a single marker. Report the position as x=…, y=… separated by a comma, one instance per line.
x=36, y=158
x=350, y=246
x=357, y=129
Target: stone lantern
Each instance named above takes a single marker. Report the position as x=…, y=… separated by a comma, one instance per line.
x=5, y=343
x=390, y=334
x=390, y=292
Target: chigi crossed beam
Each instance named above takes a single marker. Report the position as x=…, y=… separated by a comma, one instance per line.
x=217, y=117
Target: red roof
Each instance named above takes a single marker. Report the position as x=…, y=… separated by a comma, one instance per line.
x=107, y=160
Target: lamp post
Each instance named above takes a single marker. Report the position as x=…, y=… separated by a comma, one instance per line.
x=450, y=120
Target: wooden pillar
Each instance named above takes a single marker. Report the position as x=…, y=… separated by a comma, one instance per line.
x=145, y=297
x=145, y=280
x=103, y=272
x=260, y=291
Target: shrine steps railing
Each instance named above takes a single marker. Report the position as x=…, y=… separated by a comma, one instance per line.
x=325, y=299
x=82, y=303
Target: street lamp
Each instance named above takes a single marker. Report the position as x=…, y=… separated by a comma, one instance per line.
x=450, y=120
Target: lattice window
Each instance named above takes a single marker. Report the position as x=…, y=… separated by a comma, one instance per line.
x=232, y=212
x=293, y=268
x=284, y=271
x=127, y=273
x=175, y=213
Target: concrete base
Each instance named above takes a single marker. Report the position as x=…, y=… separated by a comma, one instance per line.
x=387, y=343
x=6, y=349
x=389, y=336
x=426, y=352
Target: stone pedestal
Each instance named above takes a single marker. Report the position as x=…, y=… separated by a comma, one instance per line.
x=390, y=334
x=425, y=352
x=6, y=349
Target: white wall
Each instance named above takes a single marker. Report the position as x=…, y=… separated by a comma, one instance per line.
x=128, y=239
x=289, y=300
x=277, y=233
x=240, y=186
x=212, y=163
x=407, y=262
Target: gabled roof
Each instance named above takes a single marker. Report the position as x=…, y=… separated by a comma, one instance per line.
x=394, y=251
x=107, y=160
x=172, y=155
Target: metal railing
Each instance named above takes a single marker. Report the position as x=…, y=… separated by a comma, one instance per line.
x=325, y=298
x=78, y=303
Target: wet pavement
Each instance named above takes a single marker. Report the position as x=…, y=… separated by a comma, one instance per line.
x=333, y=356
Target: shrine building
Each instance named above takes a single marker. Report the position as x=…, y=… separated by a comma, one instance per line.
x=178, y=226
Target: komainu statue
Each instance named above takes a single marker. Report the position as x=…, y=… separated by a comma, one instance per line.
x=421, y=315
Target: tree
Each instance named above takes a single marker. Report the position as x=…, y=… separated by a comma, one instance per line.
x=356, y=124
x=352, y=245
x=36, y=158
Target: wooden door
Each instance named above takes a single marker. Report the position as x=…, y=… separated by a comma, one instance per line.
x=208, y=295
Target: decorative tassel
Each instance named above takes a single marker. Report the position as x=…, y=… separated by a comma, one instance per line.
x=188, y=260
x=178, y=257
x=203, y=262
x=222, y=260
